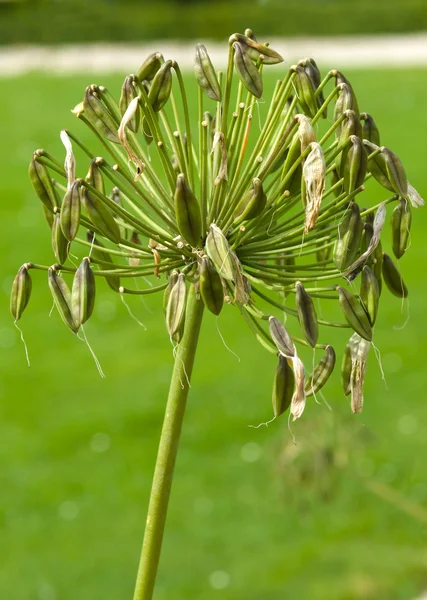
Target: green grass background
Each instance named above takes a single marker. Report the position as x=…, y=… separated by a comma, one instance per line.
x=282, y=521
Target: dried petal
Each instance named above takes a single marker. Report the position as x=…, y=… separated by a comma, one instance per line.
x=314, y=172
x=281, y=338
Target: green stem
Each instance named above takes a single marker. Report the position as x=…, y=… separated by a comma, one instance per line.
x=168, y=448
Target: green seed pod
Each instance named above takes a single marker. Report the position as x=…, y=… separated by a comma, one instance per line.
x=346, y=367
x=346, y=101
x=21, y=292
x=62, y=297
x=354, y=313
x=321, y=372
x=175, y=309
x=70, y=212
x=100, y=215
x=348, y=239
x=306, y=314
x=281, y=337
x=370, y=129
x=219, y=251
x=205, y=73
x=400, y=227
x=305, y=91
x=254, y=49
x=283, y=387
x=127, y=95
x=42, y=184
x=60, y=244
x=94, y=175
x=161, y=87
x=340, y=79
x=376, y=165
x=393, y=278
x=211, y=289
x=187, y=211
x=335, y=178
x=395, y=172
x=247, y=71
x=252, y=204
x=98, y=115
x=354, y=164
x=83, y=292
x=103, y=256
x=166, y=294
x=310, y=67
x=369, y=293
x=149, y=67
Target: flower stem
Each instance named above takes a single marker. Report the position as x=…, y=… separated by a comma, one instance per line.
x=168, y=448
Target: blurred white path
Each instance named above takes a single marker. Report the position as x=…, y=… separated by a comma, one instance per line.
x=356, y=51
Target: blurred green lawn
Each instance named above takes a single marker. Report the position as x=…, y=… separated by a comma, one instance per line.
x=253, y=517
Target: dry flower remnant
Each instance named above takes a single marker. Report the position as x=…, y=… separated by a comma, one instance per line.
x=271, y=219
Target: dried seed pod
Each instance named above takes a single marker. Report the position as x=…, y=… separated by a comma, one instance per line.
x=219, y=251
x=370, y=129
x=321, y=372
x=310, y=67
x=254, y=49
x=60, y=244
x=70, y=161
x=252, y=204
x=298, y=399
x=42, y=183
x=354, y=164
x=98, y=114
x=149, y=67
x=211, y=289
x=348, y=239
x=128, y=94
x=354, y=313
x=205, y=73
x=247, y=71
x=103, y=256
x=283, y=387
x=314, y=173
x=369, y=293
x=70, y=212
x=400, y=227
x=21, y=292
x=393, y=278
x=187, y=212
x=305, y=91
x=100, y=215
x=83, y=292
x=166, y=294
x=359, y=349
x=281, y=337
x=62, y=297
x=175, y=309
x=161, y=86
x=374, y=240
x=306, y=314
x=346, y=370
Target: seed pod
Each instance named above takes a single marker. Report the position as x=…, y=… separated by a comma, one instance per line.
x=98, y=115
x=393, y=278
x=354, y=164
x=175, y=309
x=340, y=79
x=400, y=227
x=127, y=95
x=70, y=212
x=254, y=49
x=369, y=293
x=21, y=292
x=161, y=87
x=42, y=183
x=247, y=71
x=306, y=314
x=60, y=244
x=354, y=313
x=310, y=67
x=348, y=239
x=100, y=215
x=359, y=349
x=252, y=204
x=376, y=165
x=346, y=370
x=370, y=129
x=219, y=251
x=62, y=297
x=187, y=211
x=205, y=73
x=283, y=387
x=83, y=292
x=346, y=101
x=211, y=289
x=94, y=175
x=335, y=178
x=166, y=294
x=314, y=173
x=281, y=337
x=305, y=91
x=298, y=399
x=351, y=126
x=395, y=172
x=149, y=67
x=103, y=256
x=321, y=372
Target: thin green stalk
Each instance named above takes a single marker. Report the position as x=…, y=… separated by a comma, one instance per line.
x=168, y=448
